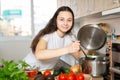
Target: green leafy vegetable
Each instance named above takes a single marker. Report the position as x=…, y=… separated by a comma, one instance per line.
x=13, y=71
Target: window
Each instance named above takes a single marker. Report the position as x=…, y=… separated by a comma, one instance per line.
x=15, y=18
x=43, y=11
x=24, y=18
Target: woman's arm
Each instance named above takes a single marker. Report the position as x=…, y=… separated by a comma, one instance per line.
x=43, y=53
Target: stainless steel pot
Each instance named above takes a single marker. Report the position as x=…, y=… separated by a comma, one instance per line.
x=96, y=67
x=92, y=37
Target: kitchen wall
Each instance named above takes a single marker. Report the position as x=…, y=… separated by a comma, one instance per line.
x=14, y=49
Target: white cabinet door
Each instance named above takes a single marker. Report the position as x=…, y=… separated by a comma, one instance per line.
x=98, y=6
x=109, y=4
x=82, y=8
x=64, y=3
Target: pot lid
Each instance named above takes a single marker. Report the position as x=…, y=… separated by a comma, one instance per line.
x=91, y=37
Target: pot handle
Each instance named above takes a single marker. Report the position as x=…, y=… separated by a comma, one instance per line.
x=80, y=61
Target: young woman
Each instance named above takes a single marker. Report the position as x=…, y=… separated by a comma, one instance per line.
x=54, y=41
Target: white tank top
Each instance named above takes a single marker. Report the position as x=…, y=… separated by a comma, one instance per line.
x=54, y=41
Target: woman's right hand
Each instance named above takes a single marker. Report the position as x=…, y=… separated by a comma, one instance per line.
x=74, y=47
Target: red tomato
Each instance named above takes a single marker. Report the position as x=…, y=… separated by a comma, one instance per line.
x=62, y=77
x=47, y=72
x=80, y=76
x=32, y=73
x=71, y=76
x=88, y=70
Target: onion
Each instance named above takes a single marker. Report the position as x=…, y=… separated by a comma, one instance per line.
x=76, y=68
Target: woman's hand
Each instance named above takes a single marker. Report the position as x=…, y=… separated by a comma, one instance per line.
x=74, y=47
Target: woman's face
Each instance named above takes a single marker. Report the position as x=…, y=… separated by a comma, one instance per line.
x=64, y=21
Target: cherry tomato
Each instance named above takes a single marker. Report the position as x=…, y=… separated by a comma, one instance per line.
x=71, y=76
x=46, y=73
x=62, y=77
x=80, y=76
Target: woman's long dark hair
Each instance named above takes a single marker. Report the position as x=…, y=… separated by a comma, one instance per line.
x=51, y=26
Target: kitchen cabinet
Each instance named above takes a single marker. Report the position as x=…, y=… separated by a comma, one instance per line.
x=83, y=8
x=64, y=3
x=114, y=59
x=60, y=3
x=74, y=6
x=87, y=7
x=98, y=6
x=79, y=7
x=71, y=3
x=109, y=4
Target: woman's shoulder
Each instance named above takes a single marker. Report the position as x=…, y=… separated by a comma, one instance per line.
x=47, y=36
x=50, y=34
